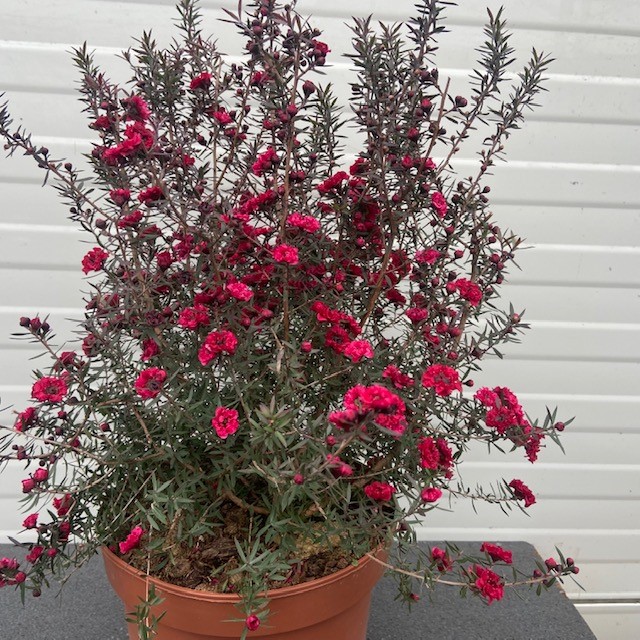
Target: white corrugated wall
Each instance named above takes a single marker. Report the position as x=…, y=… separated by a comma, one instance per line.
x=572, y=188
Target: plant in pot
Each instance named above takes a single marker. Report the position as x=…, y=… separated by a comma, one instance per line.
x=273, y=379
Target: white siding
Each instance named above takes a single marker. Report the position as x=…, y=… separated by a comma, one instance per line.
x=571, y=188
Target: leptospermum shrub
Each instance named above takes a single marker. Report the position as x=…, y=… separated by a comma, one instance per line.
x=280, y=341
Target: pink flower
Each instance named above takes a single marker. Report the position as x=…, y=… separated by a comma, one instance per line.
x=387, y=407
x=31, y=521
x=132, y=541
x=225, y=422
x=49, y=389
x=522, y=492
x=194, y=317
x=435, y=454
x=306, y=223
x=149, y=382
x=201, y=81
x=489, y=584
x=94, y=260
x=252, y=623
x=358, y=349
x=215, y=344
x=285, y=253
x=430, y=494
x=240, y=291
x=306, y=346
x=397, y=378
x=497, y=553
x=379, y=491
x=443, y=379
x=439, y=203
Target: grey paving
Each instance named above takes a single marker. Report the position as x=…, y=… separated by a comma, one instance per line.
x=87, y=609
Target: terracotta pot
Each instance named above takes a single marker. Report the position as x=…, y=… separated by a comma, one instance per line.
x=335, y=607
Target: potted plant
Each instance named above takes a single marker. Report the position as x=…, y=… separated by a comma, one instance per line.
x=274, y=373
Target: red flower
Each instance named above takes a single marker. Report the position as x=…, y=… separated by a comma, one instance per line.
x=28, y=485
x=339, y=468
x=137, y=108
x=252, y=623
x=120, y=196
x=439, y=203
x=469, y=291
x=265, y=162
x=430, y=494
x=64, y=530
x=215, y=344
x=102, y=123
x=225, y=422
x=63, y=505
x=427, y=256
x=41, y=474
x=149, y=349
x=130, y=220
x=333, y=182
x=306, y=223
x=49, y=389
x=194, y=317
x=152, y=194
x=285, y=253
x=31, y=521
x=416, y=314
x=25, y=419
x=489, y=584
x=222, y=117
x=443, y=379
x=240, y=291
x=379, y=491
x=441, y=558
x=435, y=454
x=34, y=555
x=398, y=379
x=358, y=349
x=149, y=382
x=94, y=260
x=132, y=541
x=388, y=408
x=522, y=492
x=164, y=259
x=202, y=81
x=497, y=553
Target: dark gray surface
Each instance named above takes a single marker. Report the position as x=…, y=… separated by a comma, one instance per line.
x=87, y=609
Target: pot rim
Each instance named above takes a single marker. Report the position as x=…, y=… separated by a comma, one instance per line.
x=272, y=594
